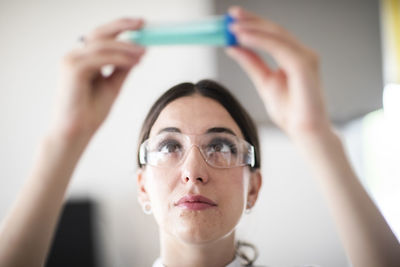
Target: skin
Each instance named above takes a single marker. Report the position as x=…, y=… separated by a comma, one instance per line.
x=204, y=235
x=293, y=98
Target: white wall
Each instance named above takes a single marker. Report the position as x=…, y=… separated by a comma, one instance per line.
x=290, y=223
x=346, y=36
x=34, y=36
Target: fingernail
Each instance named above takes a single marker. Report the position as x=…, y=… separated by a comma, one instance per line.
x=233, y=11
x=136, y=21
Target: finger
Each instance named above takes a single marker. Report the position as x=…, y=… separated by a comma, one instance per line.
x=74, y=58
x=91, y=63
x=252, y=64
x=112, y=29
x=113, y=83
x=297, y=64
x=262, y=26
x=289, y=55
x=118, y=77
x=91, y=68
x=277, y=39
x=109, y=46
x=240, y=13
x=244, y=17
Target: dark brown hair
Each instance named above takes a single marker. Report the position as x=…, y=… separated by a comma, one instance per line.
x=215, y=91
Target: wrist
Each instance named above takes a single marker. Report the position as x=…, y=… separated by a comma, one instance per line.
x=312, y=128
x=69, y=135
x=57, y=139
x=326, y=135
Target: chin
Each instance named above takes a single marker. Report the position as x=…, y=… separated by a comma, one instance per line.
x=198, y=236
x=195, y=228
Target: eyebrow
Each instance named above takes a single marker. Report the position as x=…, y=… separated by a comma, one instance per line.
x=211, y=130
x=170, y=130
x=220, y=130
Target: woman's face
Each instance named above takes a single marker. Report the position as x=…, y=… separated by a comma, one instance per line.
x=166, y=188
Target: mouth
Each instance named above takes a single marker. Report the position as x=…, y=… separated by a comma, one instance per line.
x=195, y=202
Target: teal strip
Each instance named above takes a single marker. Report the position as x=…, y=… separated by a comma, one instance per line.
x=208, y=32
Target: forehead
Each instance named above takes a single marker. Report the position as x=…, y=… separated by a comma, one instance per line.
x=194, y=115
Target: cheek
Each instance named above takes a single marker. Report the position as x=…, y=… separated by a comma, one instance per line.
x=236, y=181
x=160, y=188
x=232, y=190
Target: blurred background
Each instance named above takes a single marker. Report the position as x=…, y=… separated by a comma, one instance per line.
x=359, y=45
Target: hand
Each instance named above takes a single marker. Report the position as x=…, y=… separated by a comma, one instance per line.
x=85, y=94
x=292, y=93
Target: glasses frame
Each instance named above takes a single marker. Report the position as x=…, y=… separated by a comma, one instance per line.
x=143, y=150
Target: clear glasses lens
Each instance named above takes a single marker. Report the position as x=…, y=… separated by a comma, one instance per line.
x=220, y=150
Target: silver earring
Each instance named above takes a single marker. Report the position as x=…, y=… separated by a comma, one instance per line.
x=248, y=207
x=146, y=206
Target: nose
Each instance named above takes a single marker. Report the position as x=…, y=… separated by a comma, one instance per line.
x=194, y=167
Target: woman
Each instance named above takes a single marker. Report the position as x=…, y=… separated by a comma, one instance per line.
x=196, y=186
x=198, y=178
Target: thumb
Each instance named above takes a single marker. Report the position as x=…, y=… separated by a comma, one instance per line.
x=118, y=77
x=257, y=70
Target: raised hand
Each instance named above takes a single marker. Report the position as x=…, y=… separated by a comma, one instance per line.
x=85, y=94
x=293, y=98
x=291, y=93
x=84, y=100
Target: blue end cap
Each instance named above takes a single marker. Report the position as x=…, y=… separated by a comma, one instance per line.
x=230, y=37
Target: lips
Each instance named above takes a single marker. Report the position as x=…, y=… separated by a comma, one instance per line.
x=195, y=202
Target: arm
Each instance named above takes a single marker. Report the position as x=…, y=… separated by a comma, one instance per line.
x=365, y=235
x=293, y=98
x=85, y=99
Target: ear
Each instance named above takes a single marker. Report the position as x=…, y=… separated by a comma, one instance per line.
x=254, y=187
x=143, y=196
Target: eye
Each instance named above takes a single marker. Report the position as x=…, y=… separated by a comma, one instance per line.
x=169, y=146
x=222, y=146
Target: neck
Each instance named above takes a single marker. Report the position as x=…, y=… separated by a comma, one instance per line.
x=177, y=253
